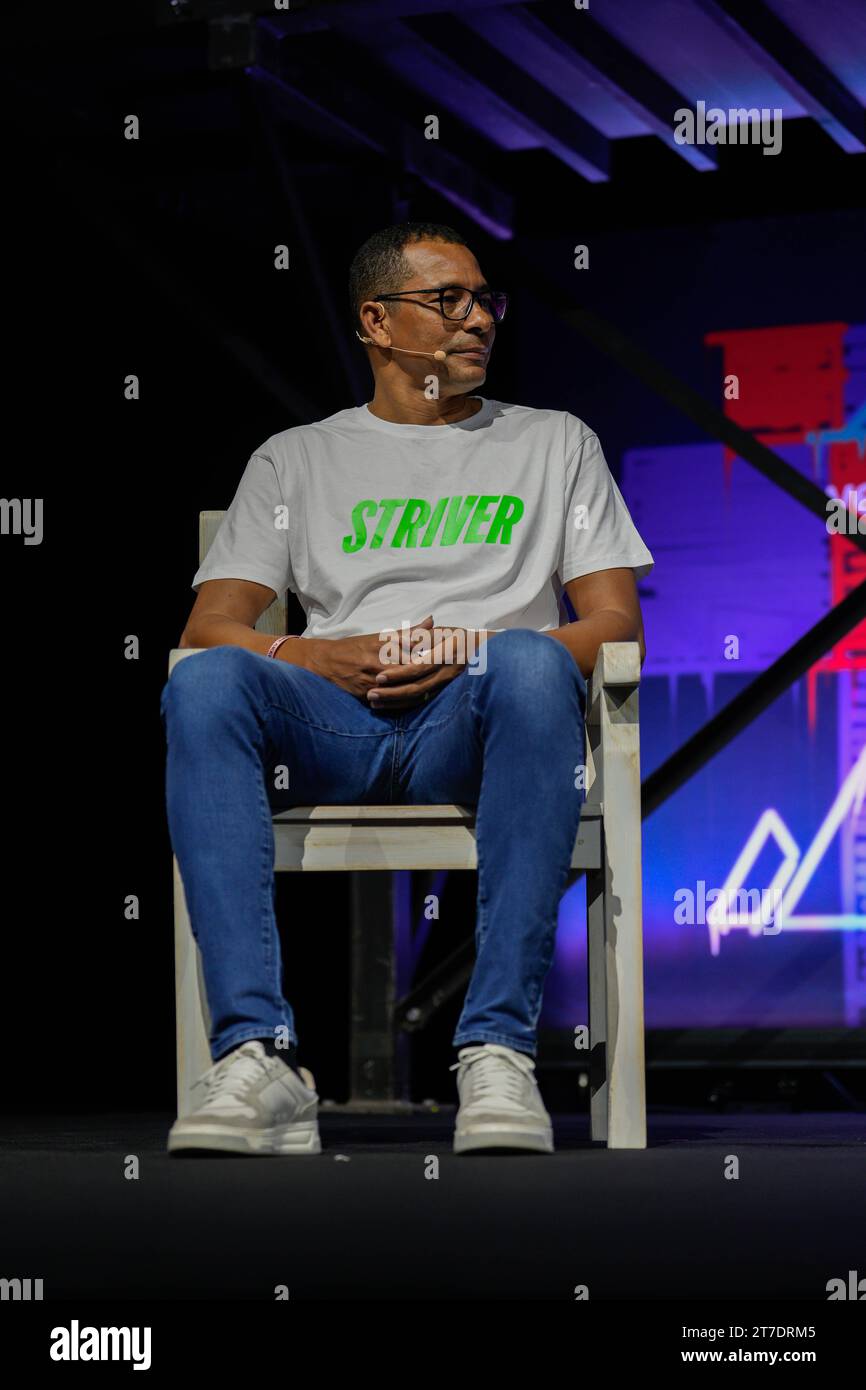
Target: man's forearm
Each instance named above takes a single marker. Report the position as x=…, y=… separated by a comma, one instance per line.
x=584, y=637
x=214, y=630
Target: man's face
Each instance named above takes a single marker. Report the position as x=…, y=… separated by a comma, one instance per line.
x=467, y=342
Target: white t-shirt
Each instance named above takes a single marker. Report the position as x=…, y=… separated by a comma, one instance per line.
x=373, y=524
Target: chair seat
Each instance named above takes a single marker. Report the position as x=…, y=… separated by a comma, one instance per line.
x=328, y=839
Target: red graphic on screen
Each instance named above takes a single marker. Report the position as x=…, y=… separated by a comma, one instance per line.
x=791, y=384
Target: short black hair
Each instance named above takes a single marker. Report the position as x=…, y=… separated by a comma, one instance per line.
x=379, y=265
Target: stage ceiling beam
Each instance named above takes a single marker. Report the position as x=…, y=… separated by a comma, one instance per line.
x=503, y=91
x=595, y=57
x=794, y=66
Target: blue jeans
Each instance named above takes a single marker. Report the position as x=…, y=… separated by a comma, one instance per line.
x=507, y=741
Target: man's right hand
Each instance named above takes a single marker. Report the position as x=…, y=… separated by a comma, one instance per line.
x=350, y=662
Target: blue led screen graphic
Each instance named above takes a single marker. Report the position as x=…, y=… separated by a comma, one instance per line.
x=742, y=571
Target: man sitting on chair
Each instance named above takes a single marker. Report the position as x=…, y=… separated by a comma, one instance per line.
x=434, y=524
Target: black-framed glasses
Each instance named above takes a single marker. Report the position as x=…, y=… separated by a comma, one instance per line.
x=455, y=301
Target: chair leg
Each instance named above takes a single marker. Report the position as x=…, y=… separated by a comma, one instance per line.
x=192, y=1019
x=626, y=1106
x=620, y=917
x=624, y=963
x=597, y=984
x=614, y=909
x=616, y=1020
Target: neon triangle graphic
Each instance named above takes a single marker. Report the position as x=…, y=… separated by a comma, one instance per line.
x=792, y=877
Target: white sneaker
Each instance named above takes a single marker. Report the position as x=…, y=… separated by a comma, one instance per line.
x=500, y=1103
x=251, y=1102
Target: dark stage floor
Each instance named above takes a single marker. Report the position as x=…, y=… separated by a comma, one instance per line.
x=362, y=1221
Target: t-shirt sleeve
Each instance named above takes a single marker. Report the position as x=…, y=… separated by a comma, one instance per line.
x=599, y=533
x=252, y=541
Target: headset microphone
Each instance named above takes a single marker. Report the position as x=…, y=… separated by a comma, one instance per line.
x=438, y=355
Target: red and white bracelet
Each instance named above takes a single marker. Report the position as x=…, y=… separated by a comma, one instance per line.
x=275, y=646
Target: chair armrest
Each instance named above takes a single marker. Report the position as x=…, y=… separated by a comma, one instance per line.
x=177, y=653
x=617, y=664
x=612, y=720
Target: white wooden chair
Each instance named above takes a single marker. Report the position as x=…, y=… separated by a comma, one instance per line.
x=328, y=839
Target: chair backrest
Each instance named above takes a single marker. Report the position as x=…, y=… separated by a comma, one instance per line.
x=273, y=620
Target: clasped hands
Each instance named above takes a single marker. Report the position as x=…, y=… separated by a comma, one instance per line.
x=357, y=664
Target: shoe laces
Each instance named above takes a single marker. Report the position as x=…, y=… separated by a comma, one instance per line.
x=241, y=1070
x=495, y=1071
